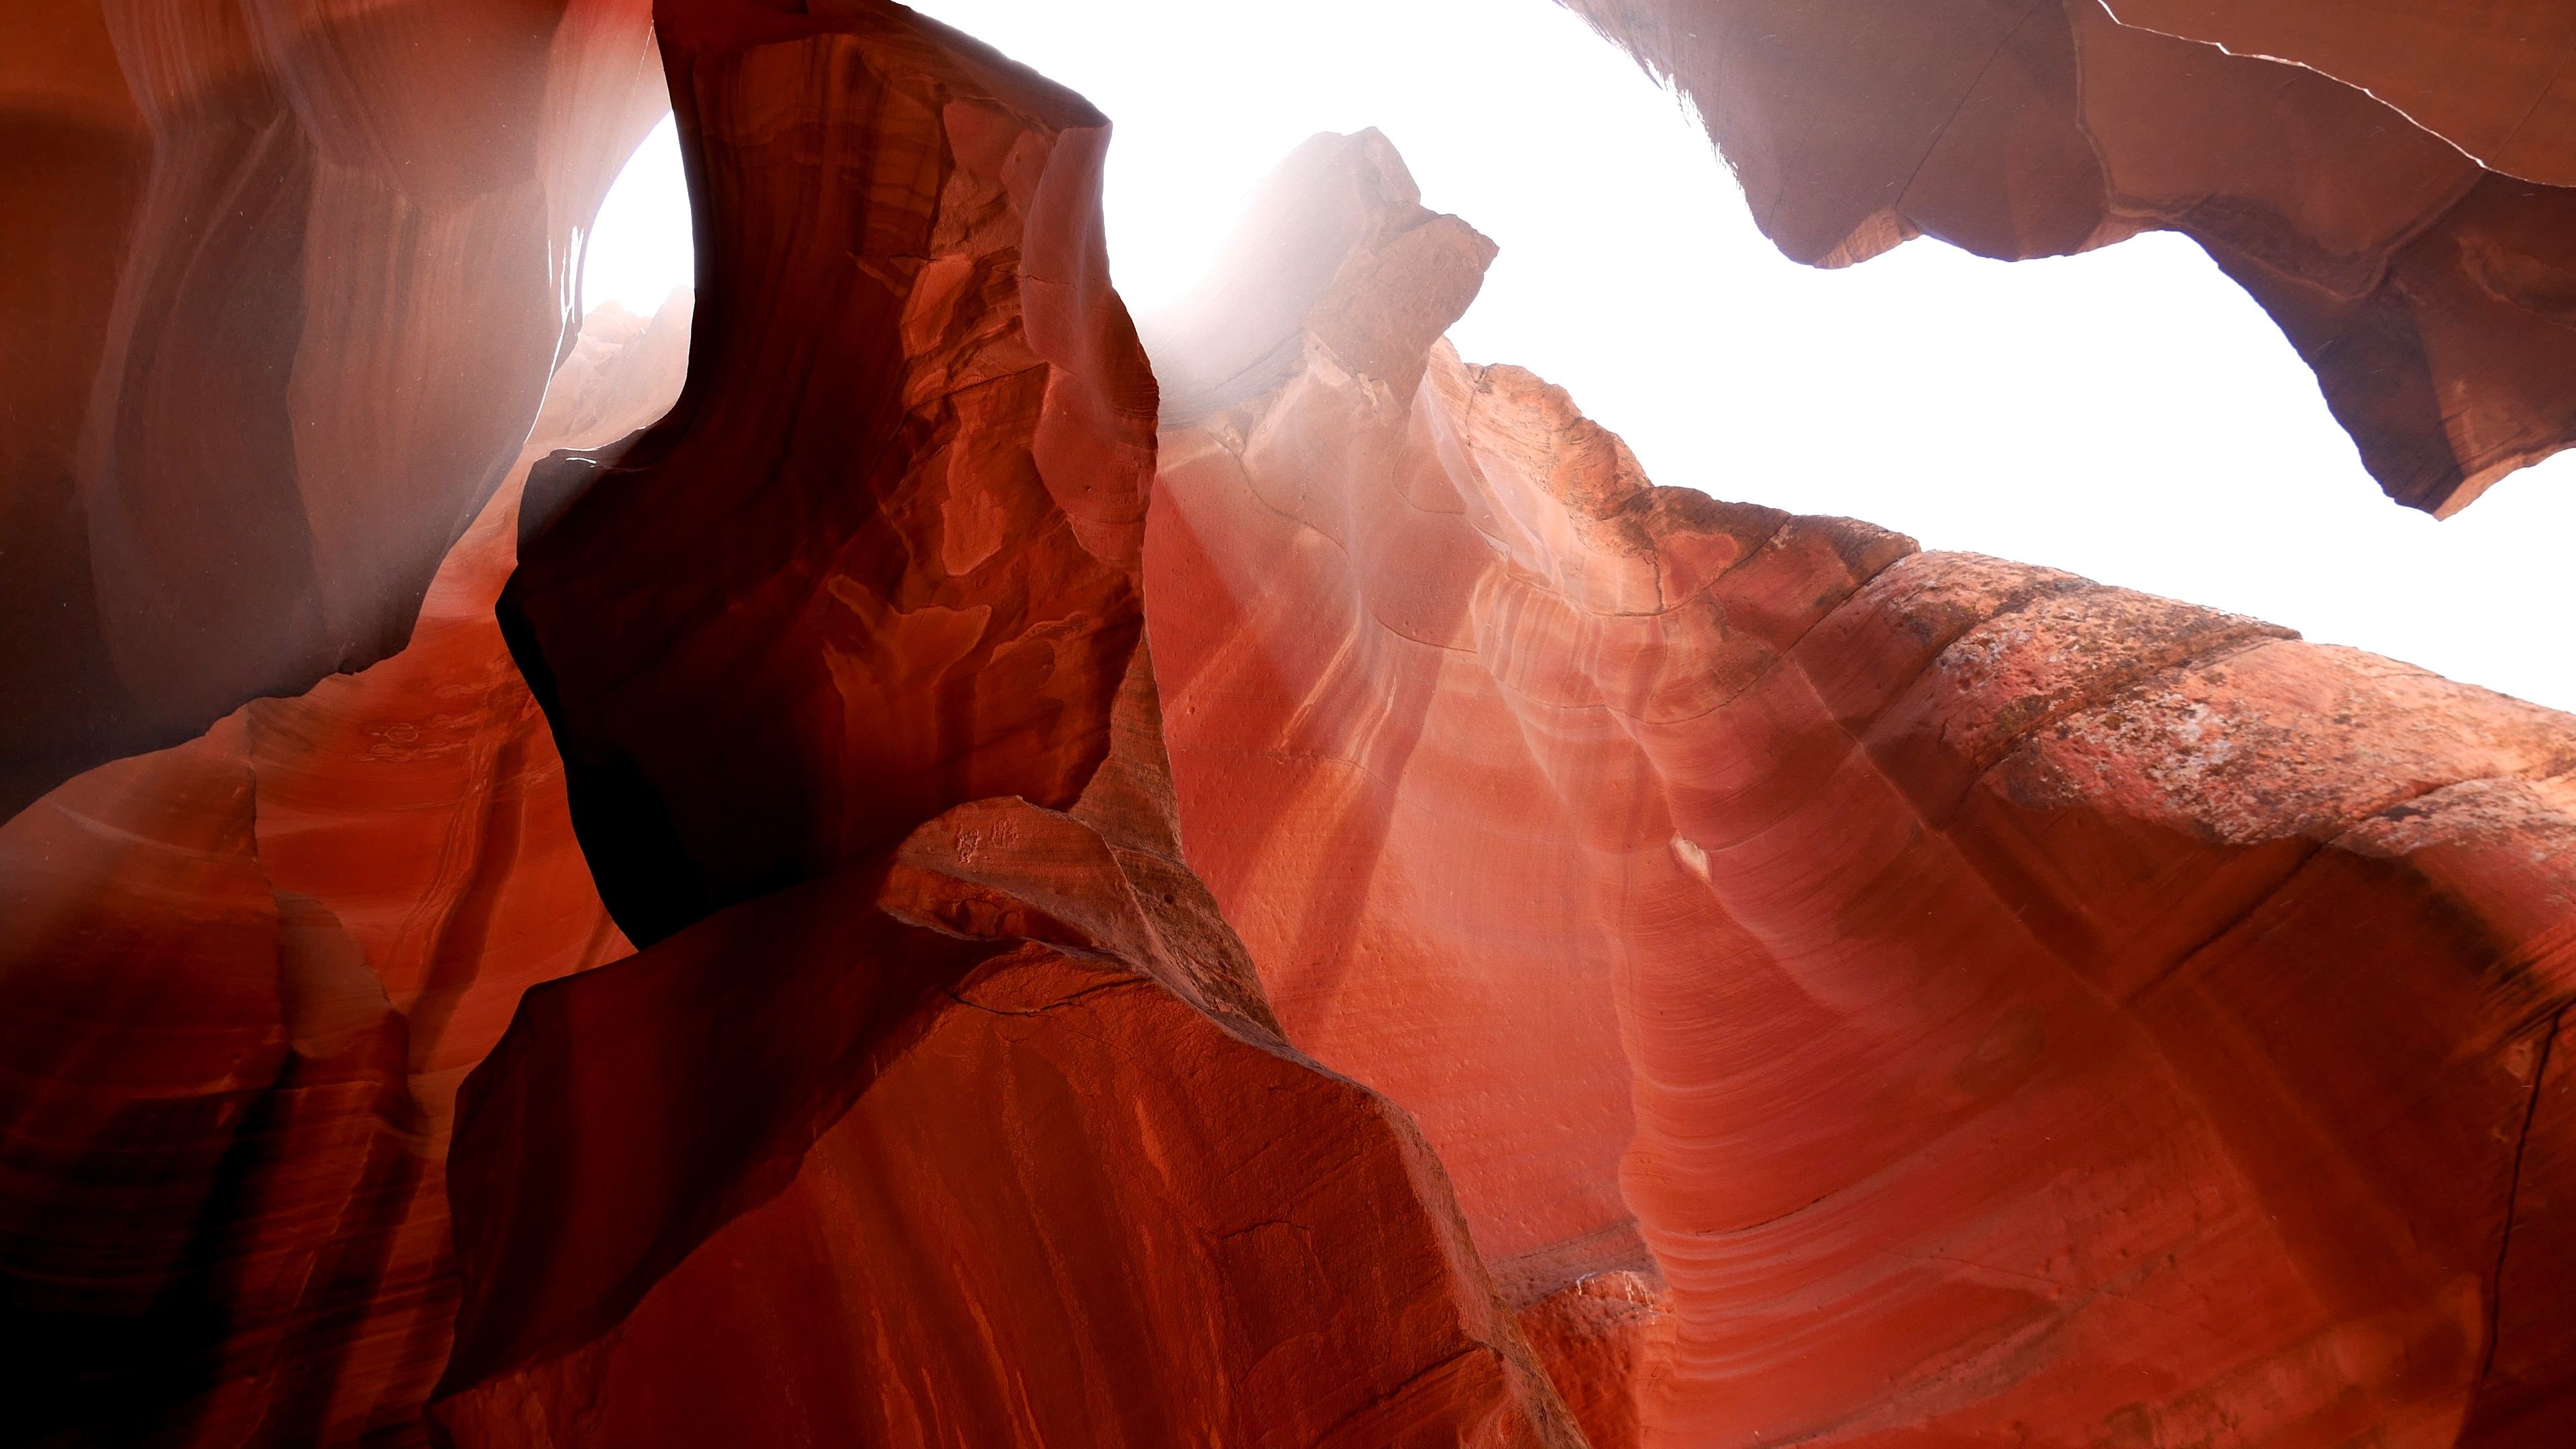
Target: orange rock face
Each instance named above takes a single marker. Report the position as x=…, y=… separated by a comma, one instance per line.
x=980, y=1132
x=283, y=282
x=240, y=982
x=2490, y=77
x=910, y=468
x=1303, y=904
x=2048, y=1013
x=994, y=1144
x=2431, y=294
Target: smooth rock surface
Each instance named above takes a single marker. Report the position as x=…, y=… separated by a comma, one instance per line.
x=2044, y=1011
x=942, y=1108
x=1333, y=913
x=240, y=981
x=284, y=280
x=2430, y=293
x=985, y=1150
x=880, y=559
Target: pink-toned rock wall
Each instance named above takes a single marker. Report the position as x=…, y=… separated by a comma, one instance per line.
x=1348, y=918
x=240, y=982
x=2429, y=293
x=909, y=467
x=284, y=281
x=2488, y=76
x=941, y=1107
x=2045, y=1011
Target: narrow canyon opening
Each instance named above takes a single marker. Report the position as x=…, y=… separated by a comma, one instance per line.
x=2128, y=414
x=1270, y=781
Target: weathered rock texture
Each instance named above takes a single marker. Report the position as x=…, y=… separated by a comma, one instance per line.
x=2491, y=77
x=284, y=280
x=992, y=1143
x=2046, y=1014
x=240, y=982
x=943, y=1108
x=1847, y=995
x=879, y=560
x=2435, y=296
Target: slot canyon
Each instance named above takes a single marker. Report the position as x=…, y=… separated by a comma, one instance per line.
x=893, y=855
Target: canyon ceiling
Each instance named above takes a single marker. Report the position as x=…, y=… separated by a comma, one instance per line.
x=879, y=858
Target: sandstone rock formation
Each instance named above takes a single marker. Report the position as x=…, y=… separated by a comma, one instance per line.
x=942, y=1108
x=1305, y=903
x=2489, y=77
x=994, y=1144
x=2044, y=1012
x=909, y=466
x=240, y=982
x=284, y=280
x=2340, y=184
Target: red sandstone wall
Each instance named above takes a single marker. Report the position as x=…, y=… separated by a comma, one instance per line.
x=284, y=281
x=942, y=1108
x=1860, y=996
x=240, y=982
x=2429, y=292
x=2046, y=1010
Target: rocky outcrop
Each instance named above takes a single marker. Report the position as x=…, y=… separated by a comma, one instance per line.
x=942, y=1107
x=240, y=982
x=2490, y=76
x=879, y=560
x=1311, y=905
x=284, y=281
x=994, y=1144
x=2430, y=293
x=2013, y=1007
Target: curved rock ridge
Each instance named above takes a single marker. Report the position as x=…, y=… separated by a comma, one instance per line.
x=2012, y=1009
x=943, y=1108
x=284, y=281
x=880, y=559
x=1351, y=902
x=240, y=981
x=2491, y=77
x=993, y=1144
x=2431, y=295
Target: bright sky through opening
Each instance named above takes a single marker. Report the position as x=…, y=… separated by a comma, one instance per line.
x=2129, y=414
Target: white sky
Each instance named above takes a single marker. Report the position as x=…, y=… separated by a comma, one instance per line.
x=2129, y=414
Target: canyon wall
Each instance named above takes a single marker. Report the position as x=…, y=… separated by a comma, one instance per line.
x=941, y=1106
x=2390, y=181
x=241, y=981
x=284, y=280
x=2042, y=1012
x=975, y=889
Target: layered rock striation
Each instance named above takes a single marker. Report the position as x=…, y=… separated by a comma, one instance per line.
x=2381, y=179
x=879, y=559
x=284, y=284
x=1283, y=895
x=941, y=1107
x=2013, y=1007
x=240, y=983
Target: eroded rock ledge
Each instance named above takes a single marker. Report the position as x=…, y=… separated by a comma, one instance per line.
x=2007, y=1005
x=284, y=280
x=241, y=981
x=1311, y=905
x=2389, y=181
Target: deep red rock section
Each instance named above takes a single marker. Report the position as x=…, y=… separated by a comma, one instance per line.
x=992, y=1143
x=284, y=282
x=1644, y=970
x=2340, y=183
x=879, y=561
x=979, y=1131
x=2047, y=1011
x=2490, y=77
x=240, y=982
